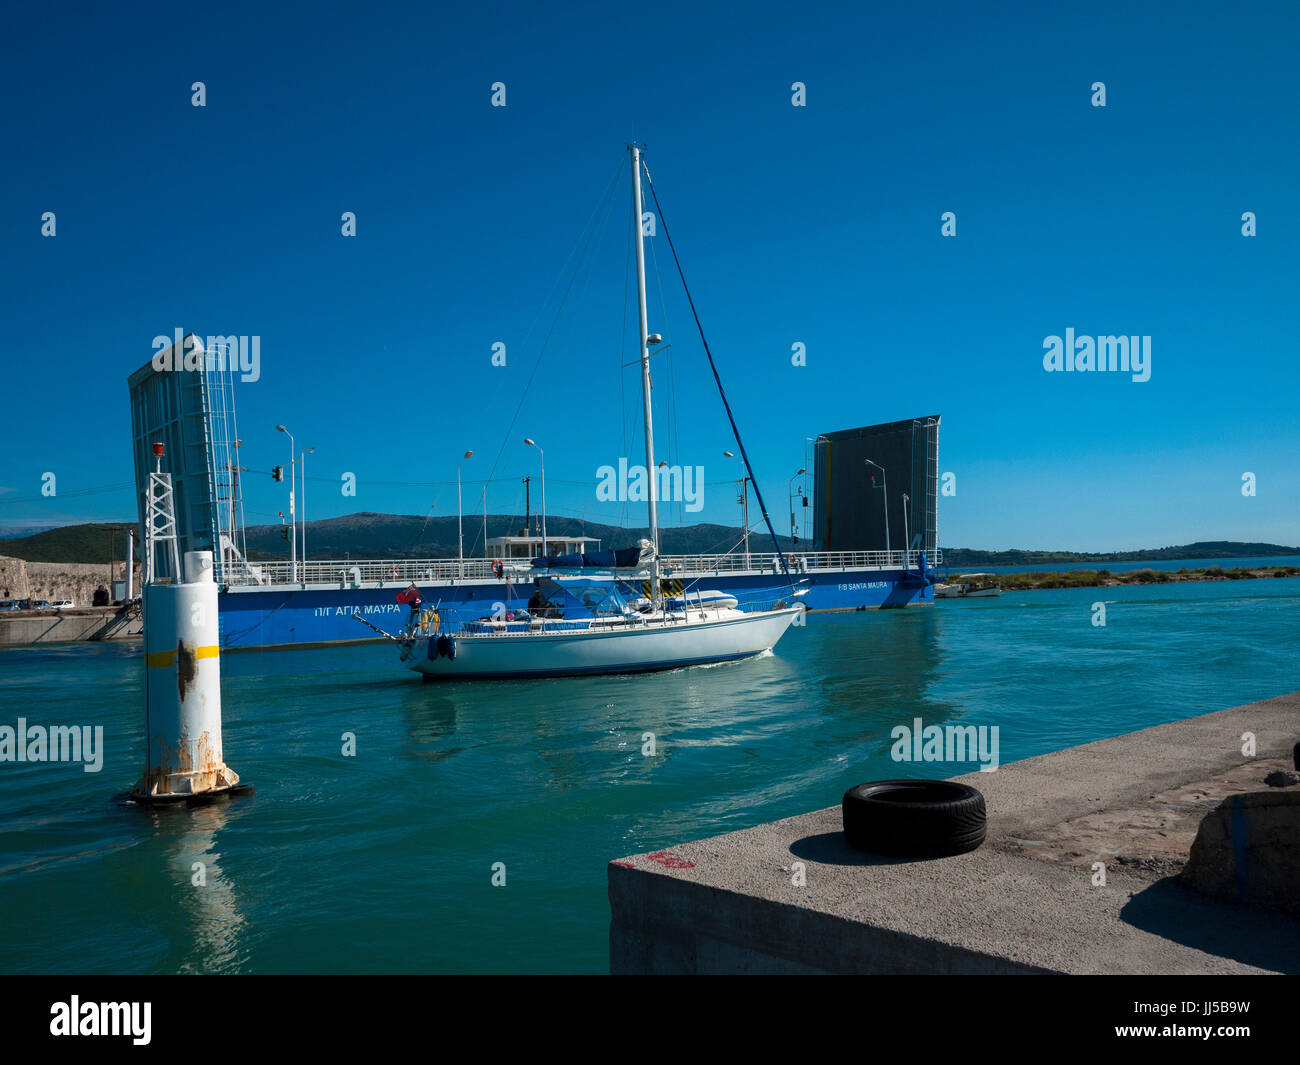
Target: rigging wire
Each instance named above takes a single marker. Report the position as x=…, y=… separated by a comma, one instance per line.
x=590, y=231
x=674, y=415
x=420, y=536
x=74, y=494
x=758, y=495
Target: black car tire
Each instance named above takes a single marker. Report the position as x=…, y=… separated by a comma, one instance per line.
x=914, y=818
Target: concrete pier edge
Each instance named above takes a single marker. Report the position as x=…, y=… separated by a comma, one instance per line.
x=728, y=904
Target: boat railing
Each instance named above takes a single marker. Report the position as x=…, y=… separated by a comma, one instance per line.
x=440, y=621
x=356, y=573
x=456, y=622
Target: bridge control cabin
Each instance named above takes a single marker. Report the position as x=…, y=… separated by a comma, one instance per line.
x=526, y=547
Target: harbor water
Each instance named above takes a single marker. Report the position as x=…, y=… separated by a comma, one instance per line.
x=385, y=808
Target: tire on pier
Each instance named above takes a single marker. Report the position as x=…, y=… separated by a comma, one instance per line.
x=914, y=818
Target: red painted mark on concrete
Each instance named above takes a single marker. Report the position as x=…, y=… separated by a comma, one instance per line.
x=670, y=861
x=625, y=865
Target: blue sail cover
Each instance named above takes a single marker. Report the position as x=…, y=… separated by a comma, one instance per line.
x=628, y=557
x=583, y=598
x=624, y=558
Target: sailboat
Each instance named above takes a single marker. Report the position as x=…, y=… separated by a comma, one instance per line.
x=578, y=620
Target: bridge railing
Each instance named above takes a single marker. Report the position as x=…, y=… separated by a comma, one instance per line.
x=346, y=573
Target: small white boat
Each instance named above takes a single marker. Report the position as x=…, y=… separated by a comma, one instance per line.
x=583, y=626
x=970, y=586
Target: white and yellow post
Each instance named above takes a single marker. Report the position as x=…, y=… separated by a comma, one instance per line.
x=183, y=687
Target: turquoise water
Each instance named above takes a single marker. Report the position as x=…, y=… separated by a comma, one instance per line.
x=382, y=862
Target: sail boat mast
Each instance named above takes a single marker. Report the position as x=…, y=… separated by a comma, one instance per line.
x=655, y=594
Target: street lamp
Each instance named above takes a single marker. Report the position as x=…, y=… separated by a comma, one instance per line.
x=302, y=457
x=542, y=458
x=460, y=527
x=907, y=536
x=790, y=499
x=884, y=484
x=293, y=521
x=744, y=501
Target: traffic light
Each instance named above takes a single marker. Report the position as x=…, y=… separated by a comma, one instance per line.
x=284, y=533
x=277, y=473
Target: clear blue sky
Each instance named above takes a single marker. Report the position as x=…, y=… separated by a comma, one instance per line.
x=818, y=225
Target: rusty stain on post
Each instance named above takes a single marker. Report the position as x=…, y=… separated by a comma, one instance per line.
x=186, y=668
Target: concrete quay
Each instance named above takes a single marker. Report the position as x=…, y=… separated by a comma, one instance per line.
x=1027, y=901
x=22, y=627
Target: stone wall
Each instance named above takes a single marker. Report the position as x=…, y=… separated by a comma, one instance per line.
x=13, y=578
x=57, y=580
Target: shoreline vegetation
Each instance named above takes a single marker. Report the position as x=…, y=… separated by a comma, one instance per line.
x=1201, y=550
x=1104, y=578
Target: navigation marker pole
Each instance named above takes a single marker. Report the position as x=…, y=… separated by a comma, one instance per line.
x=183, y=759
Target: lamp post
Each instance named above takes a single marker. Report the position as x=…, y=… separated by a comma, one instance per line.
x=302, y=457
x=293, y=521
x=790, y=497
x=907, y=536
x=744, y=501
x=460, y=524
x=542, y=458
x=884, y=486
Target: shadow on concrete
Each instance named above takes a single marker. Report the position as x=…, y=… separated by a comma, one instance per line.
x=830, y=848
x=1245, y=934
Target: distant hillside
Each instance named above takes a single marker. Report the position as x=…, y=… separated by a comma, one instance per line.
x=72, y=543
x=965, y=556
x=370, y=535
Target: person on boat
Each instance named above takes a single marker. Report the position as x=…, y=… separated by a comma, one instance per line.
x=539, y=606
x=411, y=596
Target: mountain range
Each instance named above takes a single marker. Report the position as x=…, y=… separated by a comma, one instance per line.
x=396, y=536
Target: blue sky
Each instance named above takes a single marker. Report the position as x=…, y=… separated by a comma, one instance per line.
x=817, y=225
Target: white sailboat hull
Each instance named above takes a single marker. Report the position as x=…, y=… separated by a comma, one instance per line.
x=635, y=648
